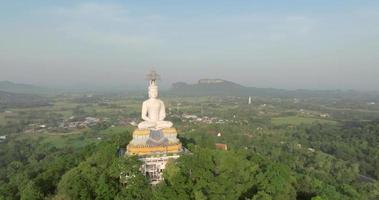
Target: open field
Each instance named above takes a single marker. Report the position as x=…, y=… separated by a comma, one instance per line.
x=296, y=120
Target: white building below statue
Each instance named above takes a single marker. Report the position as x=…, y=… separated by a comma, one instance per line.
x=153, y=167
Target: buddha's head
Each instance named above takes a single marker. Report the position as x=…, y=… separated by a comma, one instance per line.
x=153, y=91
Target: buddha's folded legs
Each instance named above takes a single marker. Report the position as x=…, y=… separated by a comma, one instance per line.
x=147, y=125
x=155, y=125
x=164, y=124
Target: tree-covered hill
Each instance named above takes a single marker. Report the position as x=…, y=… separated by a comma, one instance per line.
x=9, y=86
x=284, y=150
x=257, y=166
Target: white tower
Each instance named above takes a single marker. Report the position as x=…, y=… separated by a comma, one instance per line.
x=249, y=102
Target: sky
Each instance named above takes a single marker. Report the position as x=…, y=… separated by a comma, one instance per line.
x=293, y=44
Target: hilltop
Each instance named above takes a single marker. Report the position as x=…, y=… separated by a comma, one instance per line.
x=22, y=88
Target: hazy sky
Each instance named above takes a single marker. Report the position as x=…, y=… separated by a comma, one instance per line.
x=316, y=44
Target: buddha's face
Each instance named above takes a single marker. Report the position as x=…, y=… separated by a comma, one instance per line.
x=153, y=92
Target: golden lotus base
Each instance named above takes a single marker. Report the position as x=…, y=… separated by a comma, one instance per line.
x=145, y=150
x=146, y=132
x=138, y=148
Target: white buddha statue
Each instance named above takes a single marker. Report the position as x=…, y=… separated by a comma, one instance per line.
x=153, y=111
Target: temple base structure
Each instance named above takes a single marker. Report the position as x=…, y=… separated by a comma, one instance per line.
x=154, y=148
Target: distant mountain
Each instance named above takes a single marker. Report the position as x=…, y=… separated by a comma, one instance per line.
x=208, y=87
x=219, y=87
x=8, y=99
x=9, y=86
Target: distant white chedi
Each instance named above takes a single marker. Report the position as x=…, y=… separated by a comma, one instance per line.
x=153, y=111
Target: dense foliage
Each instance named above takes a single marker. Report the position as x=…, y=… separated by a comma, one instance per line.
x=259, y=168
x=29, y=170
x=354, y=142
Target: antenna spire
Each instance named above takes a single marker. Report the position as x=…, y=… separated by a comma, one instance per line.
x=153, y=76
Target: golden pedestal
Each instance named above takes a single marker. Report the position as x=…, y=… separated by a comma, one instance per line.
x=146, y=142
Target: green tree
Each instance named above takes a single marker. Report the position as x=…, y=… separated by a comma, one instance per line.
x=75, y=185
x=106, y=188
x=208, y=173
x=31, y=192
x=277, y=181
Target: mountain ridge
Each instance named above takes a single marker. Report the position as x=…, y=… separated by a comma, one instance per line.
x=221, y=87
x=22, y=88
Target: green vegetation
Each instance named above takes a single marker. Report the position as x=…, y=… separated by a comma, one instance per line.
x=75, y=140
x=296, y=120
x=277, y=149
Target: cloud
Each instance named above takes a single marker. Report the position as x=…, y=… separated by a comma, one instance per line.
x=268, y=27
x=103, y=24
x=367, y=12
x=290, y=27
x=93, y=11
